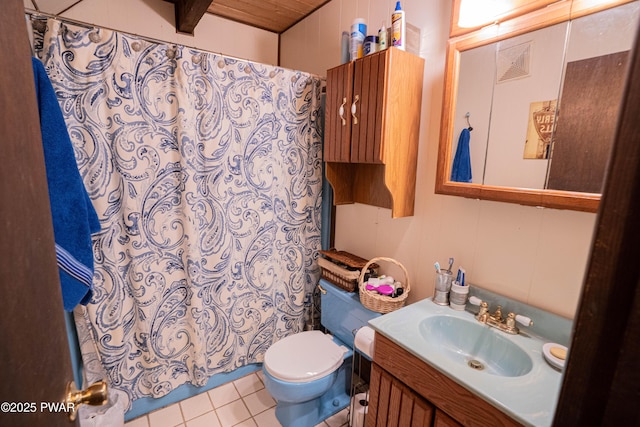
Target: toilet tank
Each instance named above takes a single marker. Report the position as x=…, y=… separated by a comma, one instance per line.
x=341, y=312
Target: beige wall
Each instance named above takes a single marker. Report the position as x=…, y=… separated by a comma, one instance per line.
x=156, y=19
x=535, y=255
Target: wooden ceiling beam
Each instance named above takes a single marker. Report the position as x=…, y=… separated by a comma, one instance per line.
x=189, y=13
x=271, y=15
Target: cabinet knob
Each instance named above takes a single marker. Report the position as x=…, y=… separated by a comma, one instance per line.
x=341, y=111
x=353, y=109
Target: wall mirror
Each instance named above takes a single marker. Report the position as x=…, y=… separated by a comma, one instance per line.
x=541, y=93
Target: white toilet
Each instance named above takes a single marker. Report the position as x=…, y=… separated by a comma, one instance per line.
x=308, y=373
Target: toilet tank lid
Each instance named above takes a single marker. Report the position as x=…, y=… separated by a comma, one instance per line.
x=303, y=357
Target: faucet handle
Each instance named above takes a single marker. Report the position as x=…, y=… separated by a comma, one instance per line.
x=524, y=320
x=483, y=313
x=475, y=300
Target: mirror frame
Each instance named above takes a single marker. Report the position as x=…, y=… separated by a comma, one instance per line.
x=518, y=7
x=553, y=14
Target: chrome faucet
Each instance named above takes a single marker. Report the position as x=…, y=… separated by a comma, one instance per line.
x=496, y=320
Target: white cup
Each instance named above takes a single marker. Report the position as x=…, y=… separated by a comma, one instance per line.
x=458, y=296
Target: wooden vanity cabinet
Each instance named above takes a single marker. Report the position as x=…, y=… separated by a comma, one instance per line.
x=443, y=420
x=395, y=403
x=372, y=126
x=403, y=385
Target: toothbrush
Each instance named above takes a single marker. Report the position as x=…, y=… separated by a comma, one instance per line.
x=450, y=265
x=437, y=265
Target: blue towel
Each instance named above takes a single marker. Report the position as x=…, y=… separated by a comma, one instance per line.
x=461, y=170
x=74, y=218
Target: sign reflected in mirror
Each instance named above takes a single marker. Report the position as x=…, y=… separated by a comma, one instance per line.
x=543, y=96
x=542, y=117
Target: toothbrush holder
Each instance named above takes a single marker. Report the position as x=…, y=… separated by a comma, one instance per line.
x=443, y=285
x=443, y=280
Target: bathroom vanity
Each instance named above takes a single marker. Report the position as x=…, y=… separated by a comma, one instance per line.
x=414, y=391
x=423, y=372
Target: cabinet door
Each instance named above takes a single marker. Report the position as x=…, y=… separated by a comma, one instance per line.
x=391, y=403
x=337, y=134
x=367, y=107
x=444, y=420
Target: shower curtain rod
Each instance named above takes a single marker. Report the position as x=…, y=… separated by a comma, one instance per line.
x=37, y=13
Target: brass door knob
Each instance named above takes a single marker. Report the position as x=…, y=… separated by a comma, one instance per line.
x=94, y=395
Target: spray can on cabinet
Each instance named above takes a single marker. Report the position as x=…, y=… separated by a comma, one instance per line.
x=398, y=27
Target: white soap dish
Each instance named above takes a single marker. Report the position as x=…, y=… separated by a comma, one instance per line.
x=551, y=352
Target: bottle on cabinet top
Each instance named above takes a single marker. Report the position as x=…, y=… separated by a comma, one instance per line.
x=398, y=27
x=358, y=33
x=382, y=38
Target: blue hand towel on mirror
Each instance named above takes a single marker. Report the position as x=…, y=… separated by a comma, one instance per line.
x=74, y=217
x=461, y=170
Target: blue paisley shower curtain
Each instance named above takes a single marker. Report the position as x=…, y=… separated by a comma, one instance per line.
x=205, y=172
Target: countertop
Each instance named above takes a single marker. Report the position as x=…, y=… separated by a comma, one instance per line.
x=530, y=399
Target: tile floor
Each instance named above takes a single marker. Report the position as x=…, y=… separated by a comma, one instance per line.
x=243, y=403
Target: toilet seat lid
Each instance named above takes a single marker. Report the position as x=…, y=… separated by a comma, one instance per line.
x=303, y=357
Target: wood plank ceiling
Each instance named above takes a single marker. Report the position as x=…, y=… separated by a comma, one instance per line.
x=272, y=15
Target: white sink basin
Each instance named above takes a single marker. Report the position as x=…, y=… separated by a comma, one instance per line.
x=478, y=346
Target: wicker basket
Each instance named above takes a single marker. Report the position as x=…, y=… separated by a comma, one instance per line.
x=382, y=303
x=339, y=276
x=343, y=268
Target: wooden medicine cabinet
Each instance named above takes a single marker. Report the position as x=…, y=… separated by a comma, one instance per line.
x=372, y=126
